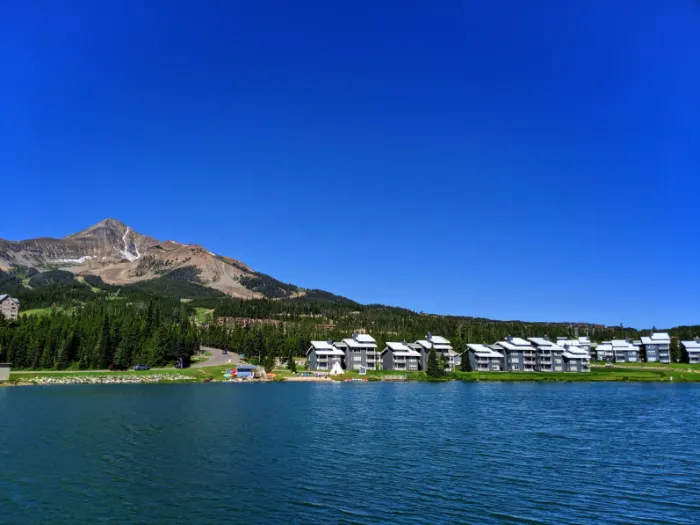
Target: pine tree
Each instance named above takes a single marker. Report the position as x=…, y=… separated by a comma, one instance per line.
x=66, y=353
x=466, y=365
x=434, y=369
x=442, y=360
x=104, y=352
x=259, y=347
x=291, y=363
x=676, y=354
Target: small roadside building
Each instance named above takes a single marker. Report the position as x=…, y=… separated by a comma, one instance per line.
x=400, y=356
x=442, y=347
x=657, y=348
x=246, y=371
x=690, y=350
x=323, y=355
x=483, y=358
x=4, y=371
x=9, y=307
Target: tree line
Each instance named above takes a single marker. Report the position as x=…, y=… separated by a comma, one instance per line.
x=147, y=323
x=100, y=334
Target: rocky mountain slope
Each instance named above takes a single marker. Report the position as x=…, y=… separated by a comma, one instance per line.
x=120, y=255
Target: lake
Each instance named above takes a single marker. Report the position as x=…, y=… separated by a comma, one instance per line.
x=565, y=453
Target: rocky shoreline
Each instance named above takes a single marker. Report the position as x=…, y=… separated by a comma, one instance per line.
x=104, y=380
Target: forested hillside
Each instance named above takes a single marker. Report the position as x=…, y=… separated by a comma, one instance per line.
x=85, y=323
x=101, y=333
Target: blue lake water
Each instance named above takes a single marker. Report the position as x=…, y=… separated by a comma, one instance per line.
x=472, y=453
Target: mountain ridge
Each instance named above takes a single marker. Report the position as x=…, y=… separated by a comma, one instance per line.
x=119, y=255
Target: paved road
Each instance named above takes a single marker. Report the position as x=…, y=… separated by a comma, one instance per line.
x=217, y=358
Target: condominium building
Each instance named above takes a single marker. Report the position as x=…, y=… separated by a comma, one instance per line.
x=624, y=351
x=483, y=358
x=691, y=351
x=576, y=359
x=323, y=355
x=657, y=347
x=604, y=351
x=400, y=356
x=584, y=343
x=360, y=351
x=519, y=355
x=549, y=355
x=442, y=348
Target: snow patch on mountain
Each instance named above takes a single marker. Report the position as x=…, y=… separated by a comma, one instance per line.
x=125, y=252
x=80, y=260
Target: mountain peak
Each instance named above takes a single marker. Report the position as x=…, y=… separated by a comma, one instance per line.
x=108, y=226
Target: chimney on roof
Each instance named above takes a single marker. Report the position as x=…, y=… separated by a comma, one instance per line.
x=509, y=338
x=404, y=342
x=354, y=335
x=546, y=338
x=429, y=336
x=329, y=341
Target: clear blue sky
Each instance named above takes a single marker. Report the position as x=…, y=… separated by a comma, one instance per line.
x=506, y=159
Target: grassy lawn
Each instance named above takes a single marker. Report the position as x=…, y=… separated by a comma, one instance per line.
x=670, y=366
x=202, y=315
x=46, y=311
x=597, y=374
x=593, y=375
x=217, y=372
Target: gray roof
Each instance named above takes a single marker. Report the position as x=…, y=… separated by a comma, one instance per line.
x=5, y=296
x=398, y=346
x=484, y=351
x=516, y=343
x=656, y=338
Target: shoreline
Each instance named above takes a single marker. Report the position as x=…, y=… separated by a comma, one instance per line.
x=597, y=375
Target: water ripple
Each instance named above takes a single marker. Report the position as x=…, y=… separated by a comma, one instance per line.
x=492, y=453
